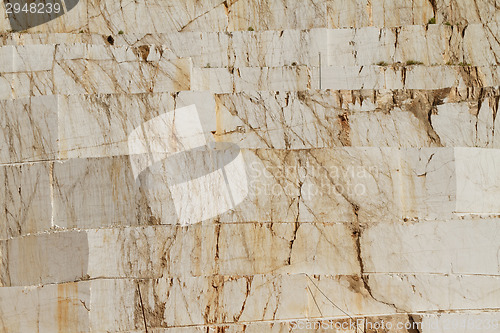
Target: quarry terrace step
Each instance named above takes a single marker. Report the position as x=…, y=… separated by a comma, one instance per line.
x=59, y=127
x=81, y=76
x=112, y=16
x=341, y=185
x=96, y=305
x=153, y=252
x=474, y=44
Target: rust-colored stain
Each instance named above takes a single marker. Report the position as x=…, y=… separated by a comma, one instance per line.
x=143, y=52
x=345, y=134
x=66, y=307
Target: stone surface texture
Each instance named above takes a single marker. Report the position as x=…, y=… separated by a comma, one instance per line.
x=341, y=174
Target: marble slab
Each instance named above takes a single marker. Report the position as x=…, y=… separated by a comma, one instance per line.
x=52, y=308
x=412, y=77
x=383, y=118
x=84, y=76
x=450, y=247
x=277, y=15
x=108, y=17
x=378, y=13
x=29, y=129
x=25, y=199
x=181, y=252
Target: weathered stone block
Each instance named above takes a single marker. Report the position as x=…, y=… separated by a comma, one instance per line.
x=25, y=199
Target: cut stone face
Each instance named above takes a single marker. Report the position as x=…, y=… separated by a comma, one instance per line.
x=250, y=166
x=26, y=202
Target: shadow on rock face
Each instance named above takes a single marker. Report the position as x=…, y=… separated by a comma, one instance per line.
x=25, y=14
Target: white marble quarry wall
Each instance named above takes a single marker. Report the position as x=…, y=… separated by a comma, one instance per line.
x=342, y=172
